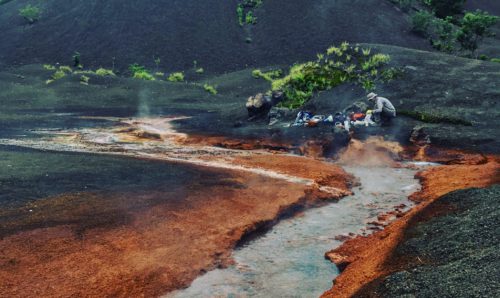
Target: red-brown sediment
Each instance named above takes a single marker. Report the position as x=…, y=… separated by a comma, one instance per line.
x=369, y=258
x=158, y=247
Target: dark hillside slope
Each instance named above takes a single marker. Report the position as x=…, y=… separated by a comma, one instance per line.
x=181, y=31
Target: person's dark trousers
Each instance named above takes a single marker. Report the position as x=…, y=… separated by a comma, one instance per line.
x=385, y=118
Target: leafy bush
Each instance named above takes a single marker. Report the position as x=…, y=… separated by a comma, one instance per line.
x=210, y=89
x=104, y=72
x=497, y=60
x=421, y=21
x=49, y=67
x=200, y=70
x=474, y=27
x=140, y=72
x=176, y=77
x=30, y=13
x=338, y=65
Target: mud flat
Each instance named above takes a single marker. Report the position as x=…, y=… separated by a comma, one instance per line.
x=391, y=262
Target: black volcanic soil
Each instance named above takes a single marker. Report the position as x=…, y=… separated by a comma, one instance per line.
x=181, y=31
x=454, y=254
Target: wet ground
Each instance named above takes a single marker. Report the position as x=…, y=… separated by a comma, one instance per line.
x=289, y=260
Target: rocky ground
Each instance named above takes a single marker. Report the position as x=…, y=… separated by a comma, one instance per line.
x=453, y=254
x=371, y=259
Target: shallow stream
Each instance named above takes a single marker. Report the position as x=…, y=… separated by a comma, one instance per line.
x=288, y=261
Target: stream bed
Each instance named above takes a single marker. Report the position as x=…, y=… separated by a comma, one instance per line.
x=288, y=261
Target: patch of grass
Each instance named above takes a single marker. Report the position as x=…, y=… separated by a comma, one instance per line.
x=30, y=13
x=176, y=77
x=433, y=117
x=210, y=89
x=240, y=13
x=250, y=18
x=104, y=72
x=497, y=60
x=84, y=80
x=66, y=68
x=268, y=76
x=49, y=67
x=342, y=64
x=140, y=72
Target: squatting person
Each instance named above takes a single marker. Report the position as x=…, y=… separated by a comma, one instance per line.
x=384, y=111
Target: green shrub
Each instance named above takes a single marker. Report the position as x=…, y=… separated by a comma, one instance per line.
x=474, y=27
x=84, y=80
x=338, y=65
x=421, y=21
x=104, y=72
x=176, y=77
x=200, y=70
x=58, y=75
x=140, y=72
x=210, y=89
x=30, y=13
x=250, y=19
x=159, y=74
x=497, y=60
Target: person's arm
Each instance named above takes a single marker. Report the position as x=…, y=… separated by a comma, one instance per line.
x=380, y=106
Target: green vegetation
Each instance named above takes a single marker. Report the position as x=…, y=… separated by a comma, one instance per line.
x=140, y=72
x=76, y=60
x=210, y=89
x=240, y=12
x=474, y=27
x=200, y=70
x=66, y=68
x=159, y=74
x=445, y=33
x=49, y=67
x=176, y=77
x=497, y=60
x=346, y=63
x=84, y=80
x=30, y=13
x=104, y=72
x=434, y=117
x=250, y=19
x=268, y=76
x=245, y=11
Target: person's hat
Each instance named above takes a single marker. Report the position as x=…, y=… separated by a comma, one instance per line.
x=371, y=96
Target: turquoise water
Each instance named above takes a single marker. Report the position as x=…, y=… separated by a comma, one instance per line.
x=288, y=261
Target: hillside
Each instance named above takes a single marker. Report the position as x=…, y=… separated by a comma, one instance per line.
x=188, y=30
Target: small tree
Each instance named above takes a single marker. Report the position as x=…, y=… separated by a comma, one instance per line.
x=474, y=27
x=30, y=13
